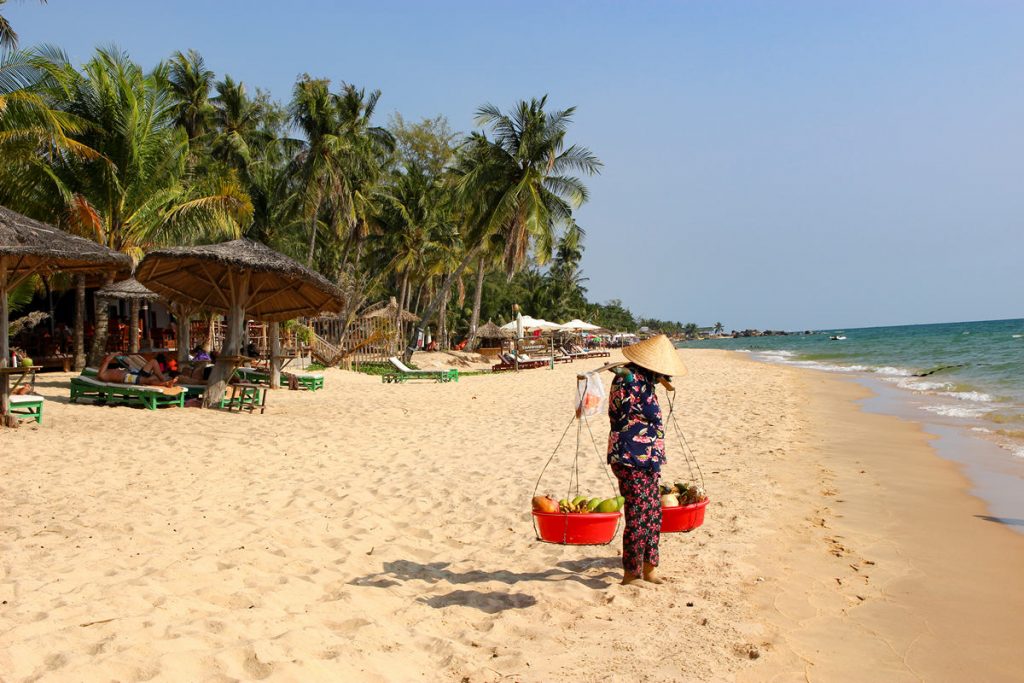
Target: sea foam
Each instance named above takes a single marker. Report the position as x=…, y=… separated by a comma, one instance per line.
x=975, y=396
x=893, y=372
x=956, y=411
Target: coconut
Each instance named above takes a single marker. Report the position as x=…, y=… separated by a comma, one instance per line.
x=670, y=500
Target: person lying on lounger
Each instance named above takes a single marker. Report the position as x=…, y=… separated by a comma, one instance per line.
x=149, y=375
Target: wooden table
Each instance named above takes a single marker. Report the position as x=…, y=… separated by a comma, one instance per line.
x=5, y=389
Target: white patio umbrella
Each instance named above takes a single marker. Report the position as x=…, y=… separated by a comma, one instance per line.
x=529, y=323
x=577, y=325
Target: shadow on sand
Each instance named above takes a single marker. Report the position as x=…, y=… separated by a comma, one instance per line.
x=399, y=571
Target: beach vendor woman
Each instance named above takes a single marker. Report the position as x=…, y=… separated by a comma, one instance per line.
x=636, y=449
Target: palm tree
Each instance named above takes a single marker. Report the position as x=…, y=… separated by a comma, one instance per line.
x=341, y=159
x=189, y=82
x=138, y=191
x=719, y=329
x=8, y=38
x=34, y=130
x=516, y=186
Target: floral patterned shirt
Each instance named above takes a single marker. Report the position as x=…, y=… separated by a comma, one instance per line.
x=637, y=437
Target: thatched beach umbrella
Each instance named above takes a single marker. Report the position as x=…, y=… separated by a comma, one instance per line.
x=242, y=279
x=129, y=290
x=492, y=331
x=390, y=311
x=29, y=247
x=134, y=292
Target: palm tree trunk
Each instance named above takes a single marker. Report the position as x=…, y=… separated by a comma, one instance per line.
x=312, y=237
x=446, y=288
x=474, y=321
x=99, y=338
x=79, y=322
x=399, y=322
x=133, y=326
x=184, y=341
x=442, y=321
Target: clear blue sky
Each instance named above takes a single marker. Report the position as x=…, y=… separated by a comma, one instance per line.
x=767, y=164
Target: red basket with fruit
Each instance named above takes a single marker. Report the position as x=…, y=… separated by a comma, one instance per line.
x=682, y=507
x=683, y=504
x=578, y=519
x=581, y=521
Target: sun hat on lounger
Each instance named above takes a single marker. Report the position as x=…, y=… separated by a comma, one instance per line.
x=656, y=354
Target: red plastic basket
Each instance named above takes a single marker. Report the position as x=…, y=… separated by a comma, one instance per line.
x=683, y=518
x=592, y=528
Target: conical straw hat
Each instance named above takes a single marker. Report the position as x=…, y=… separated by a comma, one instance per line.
x=656, y=354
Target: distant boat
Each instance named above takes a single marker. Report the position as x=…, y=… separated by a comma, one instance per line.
x=837, y=337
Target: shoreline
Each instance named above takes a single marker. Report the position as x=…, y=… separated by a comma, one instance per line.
x=382, y=532
x=902, y=573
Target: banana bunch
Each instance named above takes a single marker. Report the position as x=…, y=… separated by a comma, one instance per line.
x=584, y=505
x=578, y=505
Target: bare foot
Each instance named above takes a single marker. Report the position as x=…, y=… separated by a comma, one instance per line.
x=651, y=574
x=629, y=578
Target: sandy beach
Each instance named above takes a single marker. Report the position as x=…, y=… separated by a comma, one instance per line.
x=373, y=532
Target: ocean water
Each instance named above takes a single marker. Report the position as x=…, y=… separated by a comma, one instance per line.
x=968, y=374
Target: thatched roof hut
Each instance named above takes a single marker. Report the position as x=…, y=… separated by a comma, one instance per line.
x=492, y=331
x=28, y=246
x=243, y=279
x=390, y=311
x=130, y=289
x=278, y=288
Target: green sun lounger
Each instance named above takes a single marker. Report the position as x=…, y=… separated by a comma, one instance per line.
x=404, y=373
x=28, y=407
x=88, y=387
x=311, y=381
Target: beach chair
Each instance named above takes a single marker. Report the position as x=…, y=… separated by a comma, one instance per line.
x=311, y=381
x=508, y=362
x=590, y=353
x=87, y=386
x=404, y=373
x=562, y=357
x=28, y=406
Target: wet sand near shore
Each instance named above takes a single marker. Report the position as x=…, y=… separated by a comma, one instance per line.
x=382, y=533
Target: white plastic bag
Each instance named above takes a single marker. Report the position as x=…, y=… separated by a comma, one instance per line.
x=591, y=397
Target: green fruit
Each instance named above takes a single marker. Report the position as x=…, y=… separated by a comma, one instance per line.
x=564, y=504
x=610, y=505
x=579, y=499
x=592, y=504
x=621, y=500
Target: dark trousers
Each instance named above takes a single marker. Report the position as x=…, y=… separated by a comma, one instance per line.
x=643, y=517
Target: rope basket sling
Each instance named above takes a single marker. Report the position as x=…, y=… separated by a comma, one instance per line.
x=569, y=528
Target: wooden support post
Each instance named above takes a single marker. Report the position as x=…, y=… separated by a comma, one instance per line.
x=5, y=349
x=225, y=365
x=274, y=330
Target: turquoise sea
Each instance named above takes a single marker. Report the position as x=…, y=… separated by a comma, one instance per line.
x=970, y=373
